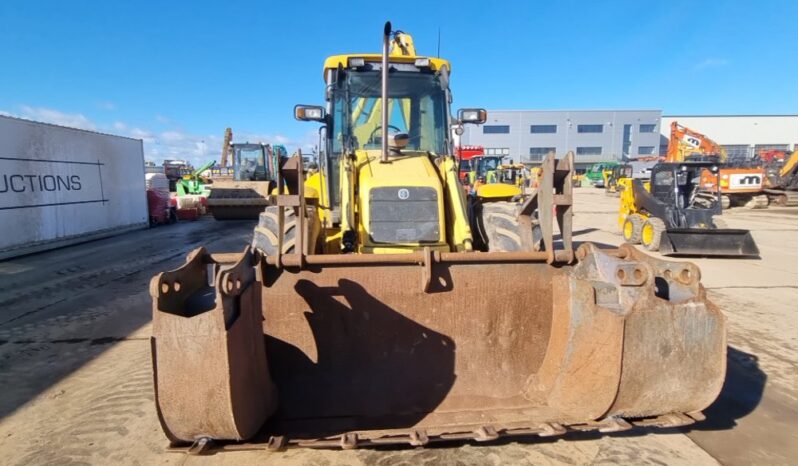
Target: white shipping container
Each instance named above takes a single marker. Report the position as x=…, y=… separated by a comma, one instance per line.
x=63, y=185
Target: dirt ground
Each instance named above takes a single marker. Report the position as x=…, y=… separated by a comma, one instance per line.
x=76, y=382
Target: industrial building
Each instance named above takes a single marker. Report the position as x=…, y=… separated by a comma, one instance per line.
x=604, y=135
x=593, y=135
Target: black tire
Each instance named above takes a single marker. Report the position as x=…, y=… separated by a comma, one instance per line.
x=631, y=234
x=658, y=227
x=499, y=229
x=266, y=234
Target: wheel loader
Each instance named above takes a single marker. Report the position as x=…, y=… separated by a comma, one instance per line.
x=677, y=212
x=248, y=192
x=596, y=173
x=366, y=313
x=612, y=178
x=490, y=177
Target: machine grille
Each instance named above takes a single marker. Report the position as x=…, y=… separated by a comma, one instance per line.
x=403, y=215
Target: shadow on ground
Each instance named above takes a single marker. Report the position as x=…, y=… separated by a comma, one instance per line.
x=66, y=307
x=741, y=394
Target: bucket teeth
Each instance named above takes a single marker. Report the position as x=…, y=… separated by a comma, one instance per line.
x=276, y=443
x=418, y=438
x=551, y=430
x=485, y=434
x=200, y=446
x=349, y=441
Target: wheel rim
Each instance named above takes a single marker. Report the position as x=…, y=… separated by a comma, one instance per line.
x=628, y=229
x=647, y=234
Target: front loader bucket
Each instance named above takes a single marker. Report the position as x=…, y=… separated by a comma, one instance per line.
x=413, y=348
x=233, y=200
x=211, y=375
x=701, y=242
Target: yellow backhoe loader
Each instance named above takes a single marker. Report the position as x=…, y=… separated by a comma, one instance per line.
x=366, y=313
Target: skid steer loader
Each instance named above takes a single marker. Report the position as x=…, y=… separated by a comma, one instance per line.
x=677, y=212
x=365, y=313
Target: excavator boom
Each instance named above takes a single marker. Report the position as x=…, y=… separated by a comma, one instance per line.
x=685, y=142
x=228, y=138
x=782, y=179
x=740, y=185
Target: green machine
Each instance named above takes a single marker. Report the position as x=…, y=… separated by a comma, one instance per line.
x=193, y=184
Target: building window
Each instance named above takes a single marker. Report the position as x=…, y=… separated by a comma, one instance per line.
x=537, y=153
x=648, y=128
x=596, y=150
x=645, y=150
x=500, y=151
x=496, y=129
x=543, y=129
x=738, y=151
x=590, y=128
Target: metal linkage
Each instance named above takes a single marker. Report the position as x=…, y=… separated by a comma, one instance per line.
x=553, y=198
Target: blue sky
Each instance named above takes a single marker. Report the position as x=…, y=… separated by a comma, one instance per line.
x=175, y=74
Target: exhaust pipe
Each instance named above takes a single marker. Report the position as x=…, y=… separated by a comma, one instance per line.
x=386, y=37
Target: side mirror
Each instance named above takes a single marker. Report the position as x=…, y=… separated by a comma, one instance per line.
x=309, y=113
x=474, y=116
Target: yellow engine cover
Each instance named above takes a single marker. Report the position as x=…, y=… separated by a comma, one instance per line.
x=498, y=191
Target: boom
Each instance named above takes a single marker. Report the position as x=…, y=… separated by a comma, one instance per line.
x=685, y=142
x=228, y=138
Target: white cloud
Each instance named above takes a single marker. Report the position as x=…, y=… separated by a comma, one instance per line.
x=48, y=115
x=309, y=142
x=142, y=134
x=711, y=63
x=106, y=105
x=173, y=136
x=171, y=143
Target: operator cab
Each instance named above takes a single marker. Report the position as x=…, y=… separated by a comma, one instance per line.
x=418, y=120
x=679, y=184
x=256, y=161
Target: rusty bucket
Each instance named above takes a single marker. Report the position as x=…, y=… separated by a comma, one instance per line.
x=355, y=350
x=233, y=200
